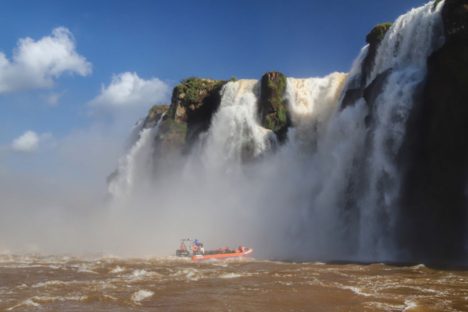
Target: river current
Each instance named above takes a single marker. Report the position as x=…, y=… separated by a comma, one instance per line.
x=38, y=283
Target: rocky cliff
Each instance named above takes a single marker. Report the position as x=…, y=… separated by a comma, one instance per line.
x=195, y=100
x=383, y=165
x=434, y=212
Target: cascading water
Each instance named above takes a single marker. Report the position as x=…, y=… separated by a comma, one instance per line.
x=234, y=134
x=402, y=57
x=410, y=40
x=133, y=167
x=331, y=190
x=311, y=103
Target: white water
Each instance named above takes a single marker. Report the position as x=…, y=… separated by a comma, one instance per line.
x=329, y=192
x=410, y=40
x=311, y=103
x=133, y=167
x=404, y=49
x=235, y=132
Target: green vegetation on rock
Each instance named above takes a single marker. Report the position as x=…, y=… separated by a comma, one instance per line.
x=272, y=108
x=193, y=89
x=378, y=33
x=194, y=101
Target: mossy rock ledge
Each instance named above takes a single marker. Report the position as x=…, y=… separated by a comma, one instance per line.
x=272, y=107
x=194, y=101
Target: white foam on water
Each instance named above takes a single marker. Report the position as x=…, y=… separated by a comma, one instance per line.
x=385, y=306
x=356, y=290
x=188, y=274
x=25, y=303
x=141, y=295
x=141, y=274
x=37, y=300
x=117, y=269
x=230, y=275
x=50, y=283
x=86, y=269
x=418, y=267
x=410, y=305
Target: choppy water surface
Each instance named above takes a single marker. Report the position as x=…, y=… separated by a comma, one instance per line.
x=171, y=284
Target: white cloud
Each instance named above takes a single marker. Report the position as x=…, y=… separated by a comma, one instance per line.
x=128, y=91
x=27, y=142
x=36, y=64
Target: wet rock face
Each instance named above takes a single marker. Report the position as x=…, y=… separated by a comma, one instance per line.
x=455, y=17
x=171, y=137
x=272, y=108
x=190, y=96
x=154, y=115
x=374, y=38
x=435, y=206
x=194, y=101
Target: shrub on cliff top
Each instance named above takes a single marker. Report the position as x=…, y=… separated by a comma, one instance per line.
x=194, y=88
x=378, y=33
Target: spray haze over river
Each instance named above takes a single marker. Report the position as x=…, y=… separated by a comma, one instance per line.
x=341, y=181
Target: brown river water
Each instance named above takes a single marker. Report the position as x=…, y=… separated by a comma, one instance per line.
x=33, y=283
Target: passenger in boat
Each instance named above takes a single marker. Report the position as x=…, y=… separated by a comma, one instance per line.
x=240, y=249
x=197, y=247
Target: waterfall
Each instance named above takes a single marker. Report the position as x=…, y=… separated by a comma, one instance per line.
x=404, y=50
x=133, y=167
x=331, y=190
x=235, y=134
x=410, y=40
x=311, y=103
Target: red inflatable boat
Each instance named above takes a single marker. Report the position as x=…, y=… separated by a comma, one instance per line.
x=222, y=254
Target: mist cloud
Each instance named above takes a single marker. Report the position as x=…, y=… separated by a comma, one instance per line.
x=36, y=64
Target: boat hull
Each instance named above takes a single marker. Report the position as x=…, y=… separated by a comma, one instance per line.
x=221, y=256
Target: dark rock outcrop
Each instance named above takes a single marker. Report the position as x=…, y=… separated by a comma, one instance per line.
x=351, y=96
x=194, y=101
x=373, y=38
x=455, y=17
x=154, y=115
x=272, y=108
x=193, y=104
x=434, y=213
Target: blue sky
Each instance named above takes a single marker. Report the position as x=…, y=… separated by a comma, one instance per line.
x=150, y=45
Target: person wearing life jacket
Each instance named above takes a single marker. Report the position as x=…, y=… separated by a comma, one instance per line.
x=240, y=249
x=197, y=247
